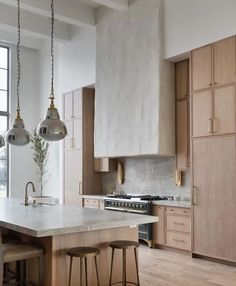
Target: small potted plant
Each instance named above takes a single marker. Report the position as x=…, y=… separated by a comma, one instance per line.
x=40, y=157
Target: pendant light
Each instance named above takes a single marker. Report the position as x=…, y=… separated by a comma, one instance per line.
x=2, y=141
x=52, y=128
x=18, y=136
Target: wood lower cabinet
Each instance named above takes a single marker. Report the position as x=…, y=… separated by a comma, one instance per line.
x=93, y=204
x=214, y=197
x=79, y=175
x=173, y=228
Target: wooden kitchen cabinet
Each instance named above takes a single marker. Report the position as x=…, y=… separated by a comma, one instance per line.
x=214, y=65
x=202, y=113
x=182, y=115
x=93, y=204
x=224, y=61
x=224, y=119
x=79, y=176
x=214, y=196
x=202, y=68
x=105, y=165
x=159, y=228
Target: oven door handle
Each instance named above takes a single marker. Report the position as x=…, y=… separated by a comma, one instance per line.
x=126, y=210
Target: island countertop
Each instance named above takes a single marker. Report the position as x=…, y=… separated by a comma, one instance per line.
x=45, y=221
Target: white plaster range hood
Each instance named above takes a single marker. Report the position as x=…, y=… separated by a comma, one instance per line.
x=134, y=102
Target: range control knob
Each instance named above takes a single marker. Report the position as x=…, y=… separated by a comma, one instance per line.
x=129, y=205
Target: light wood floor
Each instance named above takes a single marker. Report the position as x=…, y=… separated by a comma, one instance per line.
x=165, y=268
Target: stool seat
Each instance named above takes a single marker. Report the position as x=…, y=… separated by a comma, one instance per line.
x=124, y=244
x=83, y=252
x=20, y=251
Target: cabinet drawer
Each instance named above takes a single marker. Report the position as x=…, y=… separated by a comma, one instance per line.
x=179, y=211
x=92, y=204
x=178, y=223
x=178, y=240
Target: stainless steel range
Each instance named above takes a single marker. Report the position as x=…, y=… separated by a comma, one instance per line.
x=139, y=204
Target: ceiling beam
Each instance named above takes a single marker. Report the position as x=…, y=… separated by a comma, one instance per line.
x=69, y=12
x=119, y=5
x=31, y=25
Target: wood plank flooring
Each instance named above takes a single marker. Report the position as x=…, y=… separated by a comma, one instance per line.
x=165, y=268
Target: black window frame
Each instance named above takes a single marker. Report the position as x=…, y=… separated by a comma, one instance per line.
x=7, y=113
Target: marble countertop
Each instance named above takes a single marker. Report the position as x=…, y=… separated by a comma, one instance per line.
x=179, y=204
x=43, y=221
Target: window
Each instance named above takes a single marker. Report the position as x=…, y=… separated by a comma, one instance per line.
x=4, y=113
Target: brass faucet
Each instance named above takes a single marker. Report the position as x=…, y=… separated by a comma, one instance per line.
x=26, y=192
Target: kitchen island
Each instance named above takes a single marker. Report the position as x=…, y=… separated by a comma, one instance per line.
x=58, y=228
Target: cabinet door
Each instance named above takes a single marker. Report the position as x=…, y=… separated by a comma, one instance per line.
x=77, y=103
x=159, y=227
x=201, y=68
x=202, y=113
x=224, y=61
x=69, y=137
x=225, y=110
x=73, y=176
x=182, y=79
x=182, y=134
x=214, y=196
x=78, y=134
x=68, y=104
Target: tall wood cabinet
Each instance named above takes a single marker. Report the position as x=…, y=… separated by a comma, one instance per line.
x=182, y=114
x=213, y=130
x=79, y=176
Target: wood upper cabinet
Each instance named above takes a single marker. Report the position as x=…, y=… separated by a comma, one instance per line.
x=224, y=110
x=79, y=176
x=202, y=113
x=224, y=61
x=182, y=80
x=159, y=228
x=202, y=68
x=214, y=65
x=182, y=140
x=214, y=196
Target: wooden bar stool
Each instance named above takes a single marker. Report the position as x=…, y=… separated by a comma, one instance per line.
x=124, y=245
x=14, y=252
x=83, y=253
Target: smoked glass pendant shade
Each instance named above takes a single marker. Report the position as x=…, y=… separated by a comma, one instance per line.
x=18, y=136
x=2, y=141
x=52, y=128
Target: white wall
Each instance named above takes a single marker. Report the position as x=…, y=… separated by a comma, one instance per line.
x=74, y=68
x=21, y=163
x=193, y=23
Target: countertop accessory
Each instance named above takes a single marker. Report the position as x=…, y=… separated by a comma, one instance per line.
x=26, y=192
x=52, y=128
x=18, y=136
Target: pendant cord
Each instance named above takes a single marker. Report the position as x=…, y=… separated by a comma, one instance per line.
x=52, y=52
x=18, y=62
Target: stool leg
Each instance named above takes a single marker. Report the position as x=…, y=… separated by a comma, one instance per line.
x=112, y=259
x=136, y=262
x=124, y=267
x=96, y=266
x=70, y=272
x=81, y=271
x=86, y=271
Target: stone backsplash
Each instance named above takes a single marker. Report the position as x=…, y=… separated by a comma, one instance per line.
x=155, y=176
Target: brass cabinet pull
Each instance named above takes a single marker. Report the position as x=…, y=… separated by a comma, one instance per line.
x=210, y=125
x=80, y=188
x=194, y=197
x=215, y=121
x=179, y=240
x=178, y=223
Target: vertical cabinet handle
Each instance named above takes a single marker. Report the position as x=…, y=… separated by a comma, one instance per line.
x=195, y=196
x=186, y=160
x=210, y=125
x=215, y=123
x=80, y=188
x=72, y=143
